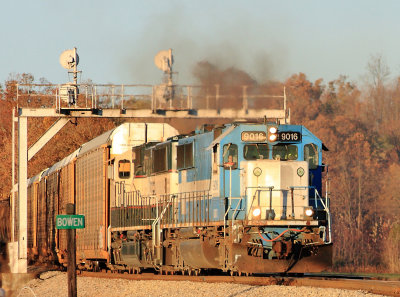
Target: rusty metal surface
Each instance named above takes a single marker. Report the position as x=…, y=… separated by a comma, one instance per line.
x=320, y=261
x=41, y=219
x=51, y=211
x=199, y=254
x=32, y=215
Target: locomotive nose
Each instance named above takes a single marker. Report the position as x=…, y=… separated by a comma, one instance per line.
x=267, y=184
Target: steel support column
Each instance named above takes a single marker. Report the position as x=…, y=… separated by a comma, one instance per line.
x=14, y=120
x=22, y=193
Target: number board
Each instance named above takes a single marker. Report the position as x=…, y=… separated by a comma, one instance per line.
x=255, y=136
x=289, y=136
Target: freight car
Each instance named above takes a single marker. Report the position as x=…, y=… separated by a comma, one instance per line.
x=241, y=198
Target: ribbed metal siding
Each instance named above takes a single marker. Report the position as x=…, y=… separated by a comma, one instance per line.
x=32, y=213
x=66, y=195
x=90, y=199
x=52, y=208
x=42, y=210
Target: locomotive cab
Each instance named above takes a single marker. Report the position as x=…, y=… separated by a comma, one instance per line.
x=271, y=181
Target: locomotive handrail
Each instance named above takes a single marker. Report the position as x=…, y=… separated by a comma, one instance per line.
x=328, y=213
x=156, y=233
x=236, y=209
x=258, y=190
x=194, y=214
x=180, y=215
x=317, y=196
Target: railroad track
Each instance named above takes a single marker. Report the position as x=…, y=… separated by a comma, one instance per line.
x=389, y=288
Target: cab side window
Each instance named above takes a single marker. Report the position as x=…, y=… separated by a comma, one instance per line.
x=147, y=161
x=185, y=156
x=138, y=161
x=311, y=155
x=124, y=168
x=160, y=159
x=230, y=156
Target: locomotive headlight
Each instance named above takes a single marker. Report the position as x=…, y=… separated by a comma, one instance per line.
x=308, y=212
x=273, y=130
x=257, y=171
x=256, y=212
x=272, y=133
x=272, y=137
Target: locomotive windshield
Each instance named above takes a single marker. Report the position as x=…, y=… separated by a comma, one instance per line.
x=256, y=151
x=284, y=152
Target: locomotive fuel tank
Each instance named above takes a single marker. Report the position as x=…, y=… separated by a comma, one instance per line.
x=200, y=254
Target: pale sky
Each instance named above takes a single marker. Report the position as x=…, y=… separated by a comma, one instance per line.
x=117, y=40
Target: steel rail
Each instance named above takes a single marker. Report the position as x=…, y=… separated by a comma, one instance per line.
x=389, y=288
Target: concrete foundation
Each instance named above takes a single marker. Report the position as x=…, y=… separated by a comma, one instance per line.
x=12, y=283
x=16, y=265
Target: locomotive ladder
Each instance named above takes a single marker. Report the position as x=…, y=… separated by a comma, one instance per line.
x=156, y=232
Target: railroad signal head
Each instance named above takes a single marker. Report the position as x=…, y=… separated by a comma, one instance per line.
x=272, y=133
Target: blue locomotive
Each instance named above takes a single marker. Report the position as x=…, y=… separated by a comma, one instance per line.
x=242, y=198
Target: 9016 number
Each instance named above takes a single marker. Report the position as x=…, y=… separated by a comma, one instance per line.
x=289, y=136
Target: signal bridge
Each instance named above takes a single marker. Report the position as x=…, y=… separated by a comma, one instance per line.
x=147, y=102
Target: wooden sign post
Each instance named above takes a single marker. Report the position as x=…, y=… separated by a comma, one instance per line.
x=71, y=222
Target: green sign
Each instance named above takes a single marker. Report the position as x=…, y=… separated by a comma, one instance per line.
x=70, y=221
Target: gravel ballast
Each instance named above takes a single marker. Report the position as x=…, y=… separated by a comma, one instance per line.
x=55, y=284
